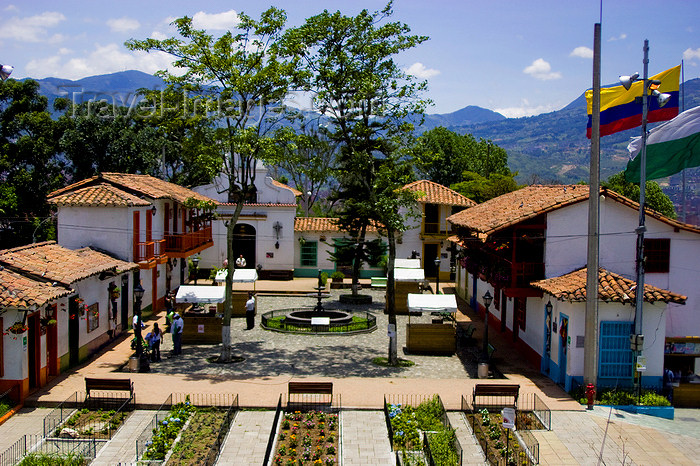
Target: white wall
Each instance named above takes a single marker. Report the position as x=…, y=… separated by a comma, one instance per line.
x=107, y=228
x=566, y=249
x=15, y=354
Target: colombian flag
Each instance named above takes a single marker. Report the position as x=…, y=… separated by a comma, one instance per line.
x=619, y=111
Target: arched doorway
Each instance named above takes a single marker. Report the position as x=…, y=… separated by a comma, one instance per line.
x=244, y=243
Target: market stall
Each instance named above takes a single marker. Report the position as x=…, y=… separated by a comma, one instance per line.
x=682, y=357
x=406, y=281
x=202, y=313
x=436, y=338
x=238, y=298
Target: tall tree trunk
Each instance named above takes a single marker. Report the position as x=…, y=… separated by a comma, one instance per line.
x=228, y=293
x=357, y=262
x=391, y=300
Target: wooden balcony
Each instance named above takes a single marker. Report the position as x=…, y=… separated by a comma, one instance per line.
x=149, y=251
x=186, y=244
x=432, y=230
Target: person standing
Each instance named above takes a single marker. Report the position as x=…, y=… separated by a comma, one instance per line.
x=155, y=343
x=240, y=262
x=250, y=311
x=176, y=329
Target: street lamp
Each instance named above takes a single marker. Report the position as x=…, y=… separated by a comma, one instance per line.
x=487, y=303
x=437, y=273
x=6, y=71
x=195, y=262
x=143, y=360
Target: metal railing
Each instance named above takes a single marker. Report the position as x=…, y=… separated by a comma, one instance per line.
x=531, y=402
x=53, y=447
x=59, y=414
x=273, y=431
x=274, y=320
x=147, y=433
x=313, y=402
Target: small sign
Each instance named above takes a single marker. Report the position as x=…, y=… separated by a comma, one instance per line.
x=269, y=255
x=508, y=418
x=641, y=365
x=24, y=343
x=200, y=328
x=391, y=330
x=320, y=321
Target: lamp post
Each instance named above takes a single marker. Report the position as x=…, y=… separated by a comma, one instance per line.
x=487, y=303
x=195, y=262
x=662, y=98
x=143, y=360
x=437, y=274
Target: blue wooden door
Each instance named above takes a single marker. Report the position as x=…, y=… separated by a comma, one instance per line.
x=615, y=366
x=563, y=336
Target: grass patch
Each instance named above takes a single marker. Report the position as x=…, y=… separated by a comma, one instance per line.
x=47, y=459
x=384, y=362
x=234, y=360
x=94, y=424
x=201, y=433
x=357, y=323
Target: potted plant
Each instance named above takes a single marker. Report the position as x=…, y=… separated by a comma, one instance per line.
x=114, y=292
x=337, y=278
x=17, y=328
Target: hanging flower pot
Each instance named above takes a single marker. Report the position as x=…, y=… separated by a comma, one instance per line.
x=114, y=293
x=17, y=328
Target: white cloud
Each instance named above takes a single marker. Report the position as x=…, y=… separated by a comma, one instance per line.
x=221, y=21
x=526, y=109
x=64, y=51
x=158, y=35
x=622, y=36
x=583, y=52
x=123, y=24
x=542, y=70
x=420, y=71
x=11, y=8
x=691, y=54
x=32, y=28
x=109, y=58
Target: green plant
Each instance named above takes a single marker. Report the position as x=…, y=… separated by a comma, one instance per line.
x=441, y=447
x=337, y=275
x=167, y=431
x=52, y=459
x=653, y=399
x=324, y=278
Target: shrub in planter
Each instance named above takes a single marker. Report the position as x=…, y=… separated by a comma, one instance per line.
x=337, y=276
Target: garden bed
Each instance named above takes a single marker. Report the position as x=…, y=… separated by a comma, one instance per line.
x=500, y=445
x=310, y=437
x=422, y=434
x=193, y=447
x=92, y=424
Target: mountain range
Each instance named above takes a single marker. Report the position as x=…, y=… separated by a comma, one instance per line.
x=550, y=147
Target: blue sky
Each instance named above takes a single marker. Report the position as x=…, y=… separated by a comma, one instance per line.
x=517, y=57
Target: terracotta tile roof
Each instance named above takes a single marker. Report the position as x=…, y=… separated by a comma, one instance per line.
x=434, y=193
x=55, y=263
x=320, y=224
x=611, y=288
x=102, y=194
x=136, y=185
x=284, y=186
x=19, y=291
x=526, y=203
x=517, y=206
x=262, y=204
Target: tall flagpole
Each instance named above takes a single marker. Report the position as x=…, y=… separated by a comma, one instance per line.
x=590, y=342
x=639, y=292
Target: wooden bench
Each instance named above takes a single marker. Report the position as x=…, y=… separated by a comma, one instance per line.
x=108, y=401
x=310, y=388
x=510, y=392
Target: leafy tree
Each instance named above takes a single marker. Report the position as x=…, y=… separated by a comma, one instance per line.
x=348, y=64
x=371, y=252
x=98, y=137
x=441, y=155
x=29, y=166
x=654, y=197
x=237, y=77
x=309, y=158
x=479, y=188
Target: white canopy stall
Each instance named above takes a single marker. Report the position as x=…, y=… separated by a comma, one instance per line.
x=432, y=303
x=239, y=276
x=406, y=263
x=435, y=338
x=200, y=294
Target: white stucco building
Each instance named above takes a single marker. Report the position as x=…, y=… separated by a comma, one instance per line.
x=136, y=218
x=540, y=232
x=68, y=301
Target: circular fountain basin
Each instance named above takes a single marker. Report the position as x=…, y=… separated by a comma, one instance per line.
x=304, y=316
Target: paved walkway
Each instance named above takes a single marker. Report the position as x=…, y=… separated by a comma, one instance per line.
x=122, y=447
x=29, y=421
x=364, y=439
x=472, y=454
x=247, y=440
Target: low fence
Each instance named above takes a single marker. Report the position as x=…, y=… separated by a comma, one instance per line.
x=39, y=445
x=227, y=401
x=313, y=401
x=60, y=413
x=531, y=403
x=273, y=432
x=274, y=320
x=414, y=401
